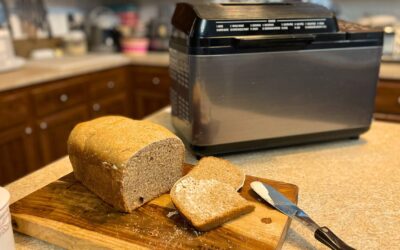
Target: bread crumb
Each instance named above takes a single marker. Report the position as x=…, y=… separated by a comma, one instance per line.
x=172, y=213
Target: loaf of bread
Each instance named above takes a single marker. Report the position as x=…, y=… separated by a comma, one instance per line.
x=208, y=203
x=220, y=170
x=125, y=162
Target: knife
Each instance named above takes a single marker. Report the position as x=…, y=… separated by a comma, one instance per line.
x=284, y=205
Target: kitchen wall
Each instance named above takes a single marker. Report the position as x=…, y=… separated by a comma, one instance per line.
x=348, y=9
x=356, y=9
x=70, y=3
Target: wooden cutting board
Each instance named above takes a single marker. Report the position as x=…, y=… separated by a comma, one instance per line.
x=67, y=214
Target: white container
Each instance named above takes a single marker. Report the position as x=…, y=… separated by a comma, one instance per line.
x=6, y=232
x=6, y=48
x=75, y=43
x=396, y=47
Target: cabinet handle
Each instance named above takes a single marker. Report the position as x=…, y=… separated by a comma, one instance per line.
x=96, y=107
x=43, y=125
x=28, y=130
x=155, y=80
x=110, y=84
x=398, y=100
x=64, y=98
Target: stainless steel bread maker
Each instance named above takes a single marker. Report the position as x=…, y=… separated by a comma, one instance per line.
x=250, y=76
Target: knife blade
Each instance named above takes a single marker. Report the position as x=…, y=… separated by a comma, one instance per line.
x=284, y=205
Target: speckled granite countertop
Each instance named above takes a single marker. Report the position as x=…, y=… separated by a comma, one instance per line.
x=36, y=72
x=352, y=186
x=390, y=71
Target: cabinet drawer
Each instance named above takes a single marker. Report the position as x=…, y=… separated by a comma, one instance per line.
x=106, y=83
x=152, y=77
x=14, y=109
x=388, y=97
x=113, y=105
x=59, y=95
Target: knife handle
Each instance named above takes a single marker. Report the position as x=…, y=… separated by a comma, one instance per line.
x=328, y=238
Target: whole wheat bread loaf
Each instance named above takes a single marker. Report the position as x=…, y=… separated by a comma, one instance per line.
x=208, y=203
x=220, y=170
x=124, y=161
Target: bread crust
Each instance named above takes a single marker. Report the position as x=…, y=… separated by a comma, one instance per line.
x=104, y=150
x=219, y=169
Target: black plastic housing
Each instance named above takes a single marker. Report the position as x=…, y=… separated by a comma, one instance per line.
x=203, y=29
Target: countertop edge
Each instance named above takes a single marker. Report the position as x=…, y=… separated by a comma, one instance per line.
x=156, y=59
x=48, y=78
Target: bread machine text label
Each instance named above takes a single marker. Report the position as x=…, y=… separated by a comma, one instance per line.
x=271, y=25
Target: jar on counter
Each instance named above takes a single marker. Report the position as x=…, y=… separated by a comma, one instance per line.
x=135, y=45
x=75, y=43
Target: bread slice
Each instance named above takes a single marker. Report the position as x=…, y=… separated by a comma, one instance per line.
x=220, y=170
x=208, y=203
x=124, y=161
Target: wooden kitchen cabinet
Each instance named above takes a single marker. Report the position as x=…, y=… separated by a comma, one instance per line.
x=59, y=95
x=18, y=153
x=147, y=101
x=150, y=89
x=114, y=105
x=53, y=131
x=108, y=83
x=387, y=102
x=14, y=109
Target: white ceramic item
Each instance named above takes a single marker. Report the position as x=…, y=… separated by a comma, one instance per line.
x=396, y=47
x=6, y=48
x=8, y=60
x=6, y=232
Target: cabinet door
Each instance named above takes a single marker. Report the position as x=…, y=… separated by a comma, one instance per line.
x=14, y=109
x=18, y=155
x=54, y=131
x=388, y=97
x=113, y=105
x=149, y=89
x=149, y=101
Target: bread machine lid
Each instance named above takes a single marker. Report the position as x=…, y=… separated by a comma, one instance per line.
x=211, y=28
x=232, y=19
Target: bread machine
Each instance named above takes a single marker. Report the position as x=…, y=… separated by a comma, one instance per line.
x=250, y=76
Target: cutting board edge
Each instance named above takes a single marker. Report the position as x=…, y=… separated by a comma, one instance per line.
x=33, y=226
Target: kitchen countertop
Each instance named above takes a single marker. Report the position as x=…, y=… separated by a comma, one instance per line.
x=352, y=186
x=390, y=71
x=35, y=72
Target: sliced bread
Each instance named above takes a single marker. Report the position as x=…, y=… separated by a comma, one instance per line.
x=220, y=170
x=124, y=161
x=208, y=203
